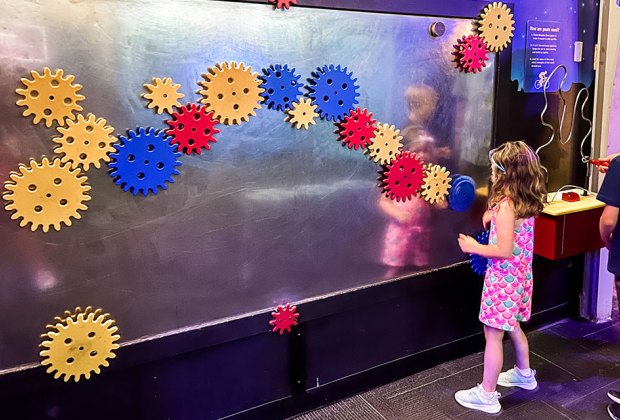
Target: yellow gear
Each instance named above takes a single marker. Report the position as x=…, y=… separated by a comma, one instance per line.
x=232, y=92
x=79, y=344
x=51, y=97
x=436, y=183
x=46, y=194
x=496, y=26
x=302, y=114
x=386, y=144
x=163, y=95
x=85, y=141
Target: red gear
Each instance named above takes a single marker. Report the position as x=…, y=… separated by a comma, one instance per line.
x=474, y=53
x=358, y=129
x=283, y=4
x=284, y=318
x=403, y=176
x=192, y=128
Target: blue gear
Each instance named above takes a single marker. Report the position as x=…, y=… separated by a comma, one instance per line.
x=281, y=86
x=334, y=92
x=462, y=194
x=479, y=263
x=144, y=161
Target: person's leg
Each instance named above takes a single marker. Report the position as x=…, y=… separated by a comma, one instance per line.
x=521, y=375
x=614, y=394
x=493, y=357
x=483, y=397
x=521, y=346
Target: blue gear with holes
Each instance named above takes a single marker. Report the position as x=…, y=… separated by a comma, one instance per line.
x=462, y=194
x=281, y=86
x=479, y=263
x=333, y=91
x=144, y=161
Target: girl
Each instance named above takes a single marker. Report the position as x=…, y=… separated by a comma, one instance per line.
x=516, y=196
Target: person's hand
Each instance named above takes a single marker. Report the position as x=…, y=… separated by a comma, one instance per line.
x=603, y=163
x=486, y=218
x=467, y=244
x=608, y=241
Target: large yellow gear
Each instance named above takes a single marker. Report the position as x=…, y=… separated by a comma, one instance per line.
x=163, y=95
x=85, y=141
x=302, y=114
x=79, y=344
x=386, y=144
x=232, y=92
x=46, y=194
x=51, y=97
x=496, y=26
x=436, y=183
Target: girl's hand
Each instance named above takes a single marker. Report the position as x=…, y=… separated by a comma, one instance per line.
x=467, y=244
x=486, y=218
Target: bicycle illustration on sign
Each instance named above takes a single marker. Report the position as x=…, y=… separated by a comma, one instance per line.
x=542, y=80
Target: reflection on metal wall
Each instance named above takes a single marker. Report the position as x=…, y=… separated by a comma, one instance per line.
x=270, y=214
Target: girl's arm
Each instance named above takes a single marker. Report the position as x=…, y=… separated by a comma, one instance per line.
x=388, y=207
x=505, y=228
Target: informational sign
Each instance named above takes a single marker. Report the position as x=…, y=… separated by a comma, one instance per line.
x=544, y=50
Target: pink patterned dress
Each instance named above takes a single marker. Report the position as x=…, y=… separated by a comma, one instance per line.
x=507, y=290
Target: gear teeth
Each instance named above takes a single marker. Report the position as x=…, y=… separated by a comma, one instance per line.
x=436, y=184
x=333, y=82
x=302, y=114
x=55, y=100
x=94, y=340
x=60, y=193
x=163, y=95
x=280, y=86
x=230, y=101
x=403, y=176
x=358, y=129
x=386, y=144
x=133, y=167
x=84, y=142
x=496, y=25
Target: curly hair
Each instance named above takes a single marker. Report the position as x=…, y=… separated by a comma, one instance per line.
x=520, y=177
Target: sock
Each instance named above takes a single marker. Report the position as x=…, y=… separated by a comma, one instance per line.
x=486, y=394
x=524, y=372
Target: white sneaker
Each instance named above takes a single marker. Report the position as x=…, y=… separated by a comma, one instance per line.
x=476, y=399
x=512, y=377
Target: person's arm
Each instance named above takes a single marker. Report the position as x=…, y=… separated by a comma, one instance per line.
x=505, y=228
x=486, y=218
x=388, y=206
x=610, y=195
x=607, y=224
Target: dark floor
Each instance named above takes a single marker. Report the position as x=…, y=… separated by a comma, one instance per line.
x=577, y=362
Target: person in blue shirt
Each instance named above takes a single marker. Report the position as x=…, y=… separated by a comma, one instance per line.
x=610, y=233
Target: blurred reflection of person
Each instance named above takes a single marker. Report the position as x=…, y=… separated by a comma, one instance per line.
x=406, y=242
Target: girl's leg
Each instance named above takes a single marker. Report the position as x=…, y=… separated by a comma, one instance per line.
x=522, y=348
x=493, y=357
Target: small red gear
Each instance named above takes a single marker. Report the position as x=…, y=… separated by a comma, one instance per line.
x=474, y=53
x=358, y=129
x=284, y=318
x=283, y=4
x=192, y=128
x=403, y=176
